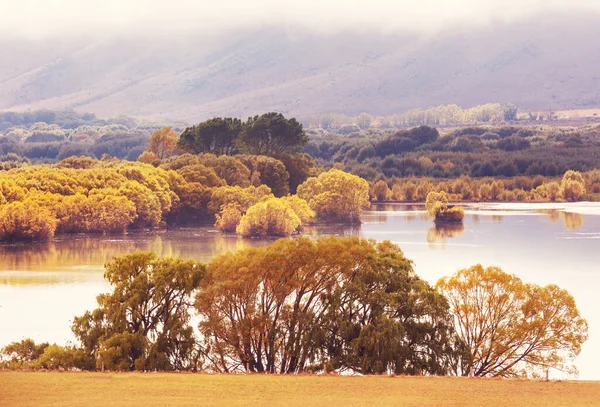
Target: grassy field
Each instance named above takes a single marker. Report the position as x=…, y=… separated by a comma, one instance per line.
x=149, y=389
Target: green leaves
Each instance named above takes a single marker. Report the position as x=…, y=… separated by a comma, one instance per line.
x=272, y=134
x=217, y=135
x=143, y=324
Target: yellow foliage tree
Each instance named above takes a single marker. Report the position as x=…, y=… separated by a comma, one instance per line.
x=229, y=217
x=336, y=196
x=572, y=185
x=272, y=217
x=26, y=220
x=243, y=197
x=300, y=206
x=380, y=191
x=511, y=328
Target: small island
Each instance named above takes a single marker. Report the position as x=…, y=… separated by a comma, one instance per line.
x=437, y=206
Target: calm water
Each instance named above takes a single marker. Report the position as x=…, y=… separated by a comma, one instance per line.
x=43, y=285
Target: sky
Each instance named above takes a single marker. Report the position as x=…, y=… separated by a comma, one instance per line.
x=60, y=17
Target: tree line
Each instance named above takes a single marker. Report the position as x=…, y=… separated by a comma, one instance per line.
x=304, y=305
x=442, y=116
x=50, y=136
x=572, y=186
x=80, y=194
x=505, y=151
x=373, y=154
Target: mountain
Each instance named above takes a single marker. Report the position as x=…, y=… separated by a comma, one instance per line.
x=546, y=62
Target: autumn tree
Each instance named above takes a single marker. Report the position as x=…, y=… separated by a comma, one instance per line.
x=300, y=207
x=103, y=211
x=272, y=217
x=572, y=185
x=380, y=191
x=228, y=218
x=144, y=323
x=163, y=143
x=550, y=190
x=336, y=196
x=512, y=328
x=227, y=168
x=272, y=134
x=510, y=112
x=27, y=220
x=300, y=167
x=332, y=303
x=201, y=174
x=243, y=197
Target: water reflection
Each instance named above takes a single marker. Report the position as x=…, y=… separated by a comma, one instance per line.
x=553, y=215
x=440, y=233
x=81, y=258
x=497, y=218
x=572, y=221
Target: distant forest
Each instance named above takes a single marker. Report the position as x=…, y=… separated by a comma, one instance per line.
x=499, y=147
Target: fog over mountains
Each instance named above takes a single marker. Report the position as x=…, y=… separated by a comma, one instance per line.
x=549, y=61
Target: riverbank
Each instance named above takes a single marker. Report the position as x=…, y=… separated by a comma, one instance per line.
x=158, y=389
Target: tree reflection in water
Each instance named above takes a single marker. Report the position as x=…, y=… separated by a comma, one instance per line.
x=440, y=233
x=72, y=259
x=572, y=221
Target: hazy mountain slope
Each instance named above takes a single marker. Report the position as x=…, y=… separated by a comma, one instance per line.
x=546, y=63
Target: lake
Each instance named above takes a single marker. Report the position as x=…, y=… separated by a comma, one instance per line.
x=44, y=285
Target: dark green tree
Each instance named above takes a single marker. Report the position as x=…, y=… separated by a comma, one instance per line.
x=384, y=318
x=272, y=134
x=300, y=167
x=217, y=136
x=267, y=171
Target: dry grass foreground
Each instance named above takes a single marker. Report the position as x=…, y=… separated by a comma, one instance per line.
x=105, y=389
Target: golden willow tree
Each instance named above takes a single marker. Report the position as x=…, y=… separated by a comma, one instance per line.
x=336, y=196
x=513, y=329
x=332, y=303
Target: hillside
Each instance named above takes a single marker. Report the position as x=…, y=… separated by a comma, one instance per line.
x=546, y=63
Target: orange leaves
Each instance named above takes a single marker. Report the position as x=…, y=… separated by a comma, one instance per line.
x=163, y=143
x=512, y=328
x=351, y=302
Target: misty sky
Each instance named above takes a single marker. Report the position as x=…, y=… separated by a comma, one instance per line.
x=47, y=17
